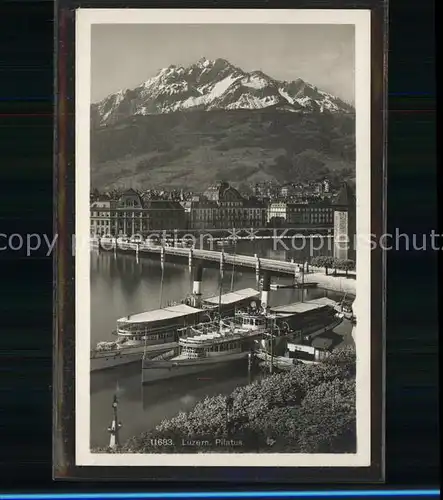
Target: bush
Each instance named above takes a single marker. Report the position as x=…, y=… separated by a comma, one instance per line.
x=328, y=413
x=308, y=409
x=344, y=265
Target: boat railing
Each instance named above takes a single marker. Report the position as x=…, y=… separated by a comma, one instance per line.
x=315, y=330
x=196, y=342
x=116, y=347
x=192, y=355
x=146, y=330
x=164, y=356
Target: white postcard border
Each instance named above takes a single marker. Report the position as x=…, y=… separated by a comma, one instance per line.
x=361, y=20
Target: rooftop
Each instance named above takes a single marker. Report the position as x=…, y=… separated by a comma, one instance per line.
x=163, y=205
x=130, y=192
x=302, y=307
x=232, y=297
x=176, y=311
x=204, y=204
x=324, y=301
x=321, y=343
x=345, y=196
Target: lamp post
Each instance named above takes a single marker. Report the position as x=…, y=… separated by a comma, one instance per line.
x=114, y=441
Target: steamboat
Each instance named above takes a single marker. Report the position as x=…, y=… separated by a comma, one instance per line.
x=155, y=332
x=311, y=321
x=207, y=346
x=305, y=346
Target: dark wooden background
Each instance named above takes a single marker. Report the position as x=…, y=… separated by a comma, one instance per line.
x=26, y=133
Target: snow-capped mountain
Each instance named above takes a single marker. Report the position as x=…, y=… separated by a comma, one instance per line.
x=213, y=85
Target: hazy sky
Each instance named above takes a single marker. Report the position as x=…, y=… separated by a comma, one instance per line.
x=125, y=55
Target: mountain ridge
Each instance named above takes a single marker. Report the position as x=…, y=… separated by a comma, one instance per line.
x=194, y=149
x=211, y=85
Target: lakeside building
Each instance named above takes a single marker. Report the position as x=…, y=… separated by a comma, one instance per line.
x=221, y=206
x=131, y=214
x=300, y=214
x=101, y=209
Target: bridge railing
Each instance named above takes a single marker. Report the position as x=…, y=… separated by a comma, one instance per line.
x=214, y=255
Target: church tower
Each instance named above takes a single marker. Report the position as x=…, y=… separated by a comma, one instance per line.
x=345, y=224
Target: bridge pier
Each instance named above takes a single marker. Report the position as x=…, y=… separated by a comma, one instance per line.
x=222, y=261
x=190, y=258
x=296, y=270
x=162, y=256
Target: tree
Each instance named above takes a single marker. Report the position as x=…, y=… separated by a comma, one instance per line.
x=344, y=264
x=328, y=263
x=329, y=414
x=323, y=261
x=317, y=261
x=348, y=265
x=343, y=358
x=309, y=409
x=94, y=194
x=281, y=430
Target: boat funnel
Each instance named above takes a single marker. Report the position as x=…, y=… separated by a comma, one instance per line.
x=265, y=291
x=197, y=285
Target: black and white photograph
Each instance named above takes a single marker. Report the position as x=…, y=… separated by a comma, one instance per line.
x=223, y=270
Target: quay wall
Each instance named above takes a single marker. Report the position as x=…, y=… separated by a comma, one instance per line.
x=333, y=283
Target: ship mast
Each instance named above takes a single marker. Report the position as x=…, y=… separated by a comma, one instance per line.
x=302, y=282
x=220, y=291
x=271, y=365
x=233, y=264
x=162, y=264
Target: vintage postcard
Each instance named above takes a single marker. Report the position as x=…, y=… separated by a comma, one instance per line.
x=223, y=206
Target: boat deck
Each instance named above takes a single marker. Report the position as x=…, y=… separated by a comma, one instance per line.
x=165, y=313
x=304, y=307
x=215, y=337
x=233, y=297
x=181, y=310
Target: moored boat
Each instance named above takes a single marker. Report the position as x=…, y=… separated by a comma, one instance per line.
x=295, y=286
x=304, y=346
x=315, y=313
x=208, y=346
x=109, y=357
x=157, y=330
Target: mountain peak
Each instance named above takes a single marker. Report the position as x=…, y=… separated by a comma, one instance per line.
x=203, y=61
x=214, y=85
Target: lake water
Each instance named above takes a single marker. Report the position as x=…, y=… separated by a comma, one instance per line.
x=121, y=285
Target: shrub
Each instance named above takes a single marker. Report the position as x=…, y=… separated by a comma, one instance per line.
x=344, y=264
x=323, y=261
x=308, y=409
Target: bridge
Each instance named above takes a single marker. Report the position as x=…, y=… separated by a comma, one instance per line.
x=224, y=259
x=252, y=233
